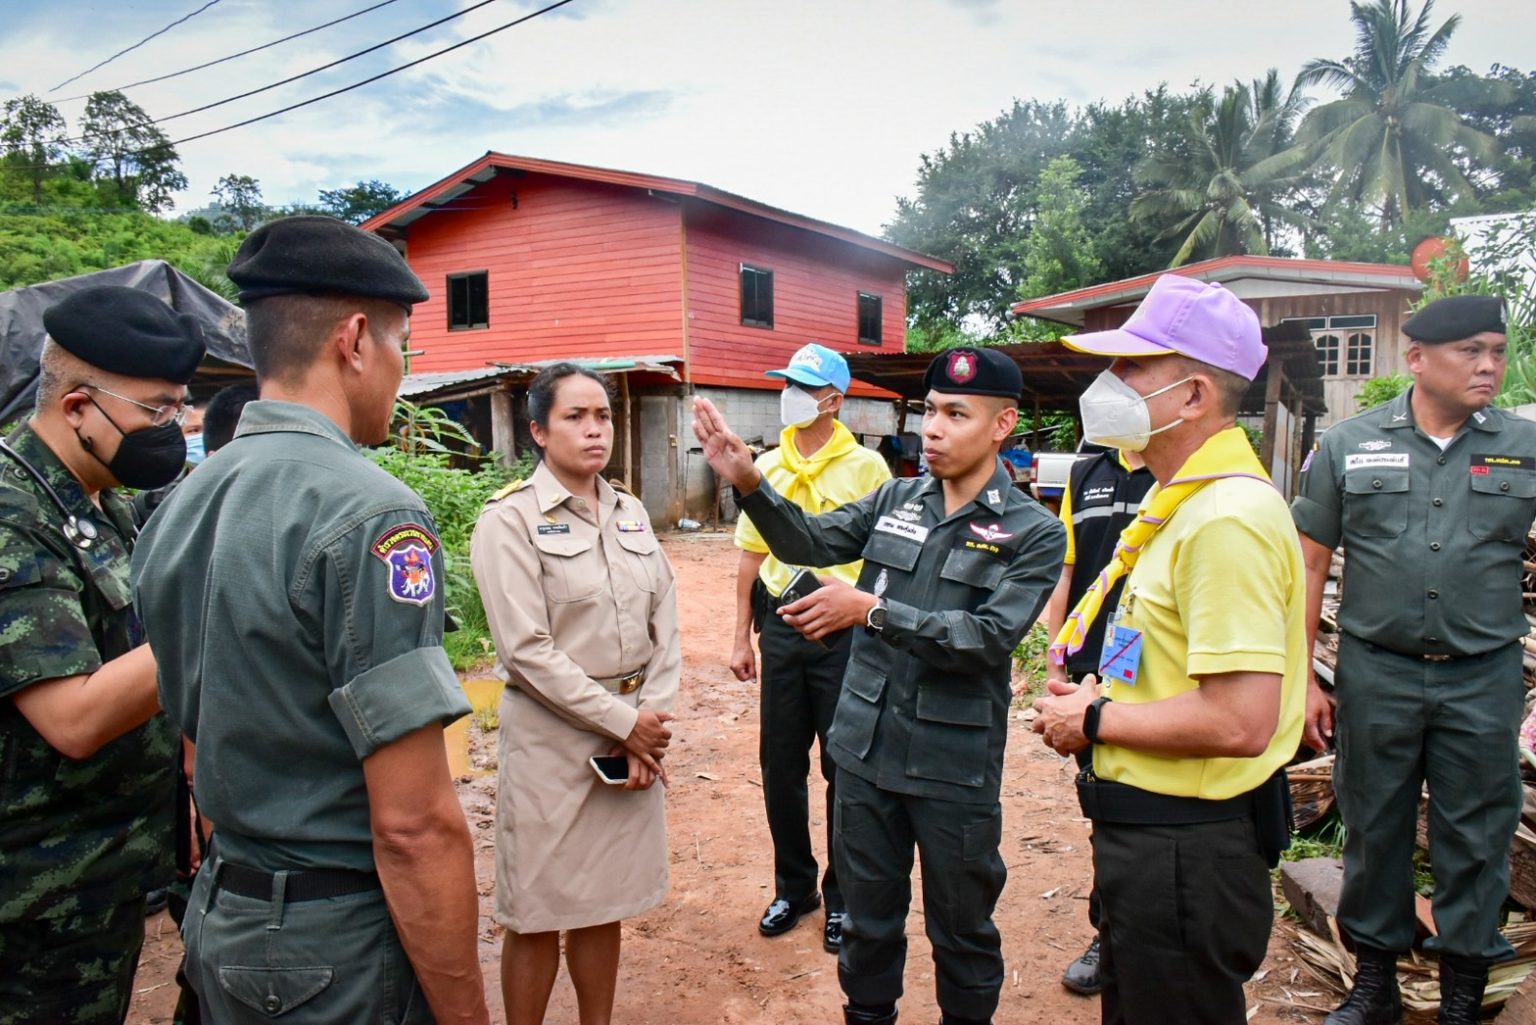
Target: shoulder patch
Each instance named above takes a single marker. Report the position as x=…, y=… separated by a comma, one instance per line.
x=406, y=550
x=516, y=485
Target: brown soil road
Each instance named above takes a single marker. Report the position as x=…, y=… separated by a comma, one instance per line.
x=698, y=959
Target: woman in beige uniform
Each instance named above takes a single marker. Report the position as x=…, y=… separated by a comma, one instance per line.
x=583, y=606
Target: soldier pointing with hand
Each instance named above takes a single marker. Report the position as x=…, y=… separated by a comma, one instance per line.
x=956, y=567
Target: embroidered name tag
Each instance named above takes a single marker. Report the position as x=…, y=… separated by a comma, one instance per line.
x=891, y=525
x=554, y=528
x=1356, y=460
x=1483, y=463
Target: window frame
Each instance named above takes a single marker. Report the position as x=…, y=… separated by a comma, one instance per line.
x=468, y=277
x=878, y=338
x=1353, y=343
x=759, y=275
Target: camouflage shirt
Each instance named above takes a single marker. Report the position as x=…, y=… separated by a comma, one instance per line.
x=86, y=834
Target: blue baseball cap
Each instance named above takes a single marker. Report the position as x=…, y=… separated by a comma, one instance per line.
x=815, y=366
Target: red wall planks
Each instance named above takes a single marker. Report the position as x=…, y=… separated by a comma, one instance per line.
x=586, y=269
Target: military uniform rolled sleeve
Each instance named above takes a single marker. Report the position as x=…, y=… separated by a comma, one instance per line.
x=388, y=632
x=44, y=634
x=1317, y=508
x=399, y=697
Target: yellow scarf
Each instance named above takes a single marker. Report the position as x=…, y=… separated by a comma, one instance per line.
x=1226, y=454
x=807, y=468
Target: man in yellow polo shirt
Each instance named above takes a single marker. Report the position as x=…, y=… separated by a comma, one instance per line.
x=1203, y=668
x=819, y=465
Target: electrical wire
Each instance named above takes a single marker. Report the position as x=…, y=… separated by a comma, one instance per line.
x=374, y=78
x=135, y=46
x=324, y=96
x=326, y=67
x=236, y=56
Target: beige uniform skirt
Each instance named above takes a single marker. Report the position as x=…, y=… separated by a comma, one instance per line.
x=571, y=851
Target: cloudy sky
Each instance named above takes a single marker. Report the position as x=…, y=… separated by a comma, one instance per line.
x=823, y=107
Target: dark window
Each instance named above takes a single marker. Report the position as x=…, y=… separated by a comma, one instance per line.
x=756, y=296
x=1346, y=344
x=871, y=308
x=1327, y=353
x=1357, y=354
x=468, y=301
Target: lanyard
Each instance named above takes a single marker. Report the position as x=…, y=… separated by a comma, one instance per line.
x=80, y=532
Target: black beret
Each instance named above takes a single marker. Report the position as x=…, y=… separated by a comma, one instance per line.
x=126, y=331
x=978, y=371
x=317, y=255
x=1456, y=317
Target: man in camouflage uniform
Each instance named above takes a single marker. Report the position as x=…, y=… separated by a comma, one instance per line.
x=85, y=760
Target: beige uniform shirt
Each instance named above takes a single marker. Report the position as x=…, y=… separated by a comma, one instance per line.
x=576, y=598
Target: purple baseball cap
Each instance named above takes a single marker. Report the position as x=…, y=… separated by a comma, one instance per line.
x=1202, y=321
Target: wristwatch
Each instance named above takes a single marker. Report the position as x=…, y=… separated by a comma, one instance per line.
x=876, y=618
x=1091, y=719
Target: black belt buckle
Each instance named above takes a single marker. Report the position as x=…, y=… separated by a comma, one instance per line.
x=1438, y=658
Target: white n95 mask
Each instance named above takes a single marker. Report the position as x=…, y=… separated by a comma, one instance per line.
x=1116, y=415
x=797, y=407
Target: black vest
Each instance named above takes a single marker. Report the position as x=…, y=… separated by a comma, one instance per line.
x=1105, y=496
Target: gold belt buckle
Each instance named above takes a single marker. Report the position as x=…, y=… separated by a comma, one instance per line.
x=631, y=683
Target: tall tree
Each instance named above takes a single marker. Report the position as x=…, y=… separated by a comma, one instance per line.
x=359, y=202
x=124, y=145
x=1223, y=190
x=1059, y=253
x=1393, y=139
x=239, y=196
x=32, y=137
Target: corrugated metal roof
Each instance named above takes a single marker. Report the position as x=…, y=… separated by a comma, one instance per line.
x=450, y=383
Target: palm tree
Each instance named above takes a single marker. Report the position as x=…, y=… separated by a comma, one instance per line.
x=1392, y=139
x=1222, y=186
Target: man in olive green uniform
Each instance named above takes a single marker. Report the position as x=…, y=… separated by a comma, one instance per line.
x=1431, y=495
x=85, y=760
x=957, y=566
x=292, y=591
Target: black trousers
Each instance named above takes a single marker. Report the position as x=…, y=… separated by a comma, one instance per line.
x=1185, y=918
x=800, y=682
x=963, y=874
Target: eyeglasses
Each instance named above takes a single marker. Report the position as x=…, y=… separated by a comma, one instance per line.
x=159, y=416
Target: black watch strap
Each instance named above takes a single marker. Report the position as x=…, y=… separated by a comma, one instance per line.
x=1091, y=719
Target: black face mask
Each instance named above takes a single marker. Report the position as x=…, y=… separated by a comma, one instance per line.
x=147, y=458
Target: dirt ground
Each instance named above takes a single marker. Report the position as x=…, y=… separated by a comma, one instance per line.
x=698, y=958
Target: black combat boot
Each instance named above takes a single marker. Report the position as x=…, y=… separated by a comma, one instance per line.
x=1462, y=981
x=860, y=1014
x=1375, y=999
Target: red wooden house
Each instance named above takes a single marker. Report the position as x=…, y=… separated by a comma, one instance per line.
x=531, y=260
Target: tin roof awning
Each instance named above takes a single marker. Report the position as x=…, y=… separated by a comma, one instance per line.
x=452, y=385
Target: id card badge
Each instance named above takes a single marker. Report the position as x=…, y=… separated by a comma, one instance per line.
x=1121, y=657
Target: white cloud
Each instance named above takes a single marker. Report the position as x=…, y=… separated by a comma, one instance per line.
x=819, y=106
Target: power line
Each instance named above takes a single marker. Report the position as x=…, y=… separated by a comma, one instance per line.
x=338, y=61
x=135, y=46
x=235, y=56
x=374, y=78
x=325, y=96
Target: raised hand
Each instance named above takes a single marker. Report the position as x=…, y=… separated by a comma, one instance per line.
x=727, y=454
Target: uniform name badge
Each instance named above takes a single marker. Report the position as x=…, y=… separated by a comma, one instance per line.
x=1121, y=657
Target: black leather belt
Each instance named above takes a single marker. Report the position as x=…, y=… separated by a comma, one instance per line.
x=1104, y=801
x=306, y=884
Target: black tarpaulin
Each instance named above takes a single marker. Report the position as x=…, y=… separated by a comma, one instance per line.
x=21, y=327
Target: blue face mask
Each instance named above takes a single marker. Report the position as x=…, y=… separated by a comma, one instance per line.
x=195, y=452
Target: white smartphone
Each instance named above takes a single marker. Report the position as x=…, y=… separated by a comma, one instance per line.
x=611, y=769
